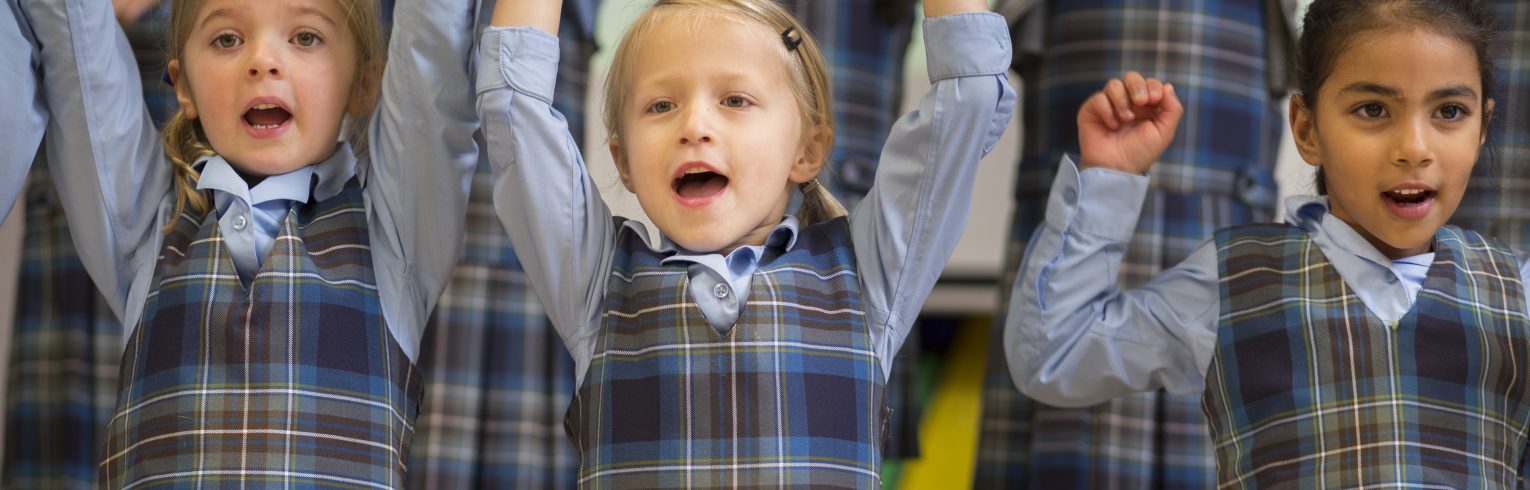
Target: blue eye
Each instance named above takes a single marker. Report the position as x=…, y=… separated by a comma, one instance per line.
x=226, y=41
x=735, y=101
x=661, y=107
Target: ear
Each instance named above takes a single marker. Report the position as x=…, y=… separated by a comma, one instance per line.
x=1304, y=131
x=1487, y=119
x=620, y=159
x=364, y=97
x=810, y=155
x=182, y=90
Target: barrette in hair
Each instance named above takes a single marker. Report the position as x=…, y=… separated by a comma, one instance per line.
x=808, y=186
x=791, y=37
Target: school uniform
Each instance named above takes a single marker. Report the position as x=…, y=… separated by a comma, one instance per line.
x=273, y=337
x=497, y=378
x=757, y=332
x=1218, y=172
x=1317, y=359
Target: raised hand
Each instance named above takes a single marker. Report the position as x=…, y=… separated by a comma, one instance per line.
x=1128, y=125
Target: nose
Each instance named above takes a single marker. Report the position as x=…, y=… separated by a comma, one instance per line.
x=1413, y=144
x=697, y=127
x=264, y=61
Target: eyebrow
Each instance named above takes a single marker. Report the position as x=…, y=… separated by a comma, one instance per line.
x=1385, y=91
x=301, y=11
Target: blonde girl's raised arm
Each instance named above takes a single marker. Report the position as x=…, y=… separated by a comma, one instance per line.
x=107, y=158
x=543, y=15
x=937, y=8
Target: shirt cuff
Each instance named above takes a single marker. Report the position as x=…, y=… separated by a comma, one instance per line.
x=963, y=45
x=522, y=58
x=1098, y=201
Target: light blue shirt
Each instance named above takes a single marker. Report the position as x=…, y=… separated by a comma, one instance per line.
x=24, y=118
x=1074, y=338
x=115, y=181
x=903, y=231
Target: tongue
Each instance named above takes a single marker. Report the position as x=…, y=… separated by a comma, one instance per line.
x=267, y=117
x=701, y=185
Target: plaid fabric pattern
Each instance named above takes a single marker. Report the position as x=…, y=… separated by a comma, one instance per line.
x=1217, y=172
x=498, y=378
x=863, y=42
x=1497, y=200
x=293, y=380
x=65, y=348
x=791, y=395
x=1308, y=389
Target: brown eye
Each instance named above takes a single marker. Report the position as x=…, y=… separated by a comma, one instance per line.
x=1452, y=112
x=1373, y=110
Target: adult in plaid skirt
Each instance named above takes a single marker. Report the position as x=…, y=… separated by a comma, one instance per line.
x=1217, y=173
x=497, y=378
x=757, y=366
x=1364, y=342
x=350, y=389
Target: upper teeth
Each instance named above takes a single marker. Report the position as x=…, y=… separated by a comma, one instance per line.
x=1409, y=192
x=695, y=170
x=265, y=106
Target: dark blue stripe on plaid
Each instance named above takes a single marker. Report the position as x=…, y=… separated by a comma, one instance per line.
x=65, y=348
x=791, y=395
x=293, y=380
x=1308, y=388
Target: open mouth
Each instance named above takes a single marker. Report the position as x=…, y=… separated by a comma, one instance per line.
x=1409, y=197
x=699, y=182
x=266, y=116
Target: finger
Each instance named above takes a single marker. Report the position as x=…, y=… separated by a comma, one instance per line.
x=1098, y=107
x=1170, y=111
x=1136, y=87
x=1155, y=91
x=1115, y=90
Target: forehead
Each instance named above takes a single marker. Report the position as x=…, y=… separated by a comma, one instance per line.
x=692, y=44
x=1413, y=61
x=322, y=11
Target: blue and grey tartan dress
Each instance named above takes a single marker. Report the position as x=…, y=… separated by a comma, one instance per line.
x=1308, y=389
x=294, y=379
x=790, y=395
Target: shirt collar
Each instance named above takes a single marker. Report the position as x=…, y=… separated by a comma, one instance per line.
x=331, y=174
x=784, y=236
x=1311, y=213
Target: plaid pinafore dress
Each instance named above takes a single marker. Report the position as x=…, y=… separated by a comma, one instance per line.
x=1308, y=389
x=291, y=379
x=791, y=395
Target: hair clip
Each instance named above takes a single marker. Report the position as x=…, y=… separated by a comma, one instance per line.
x=791, y=40
x=808, y=186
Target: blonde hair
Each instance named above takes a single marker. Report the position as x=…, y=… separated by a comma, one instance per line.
x=809, y=76
x=185, y=142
